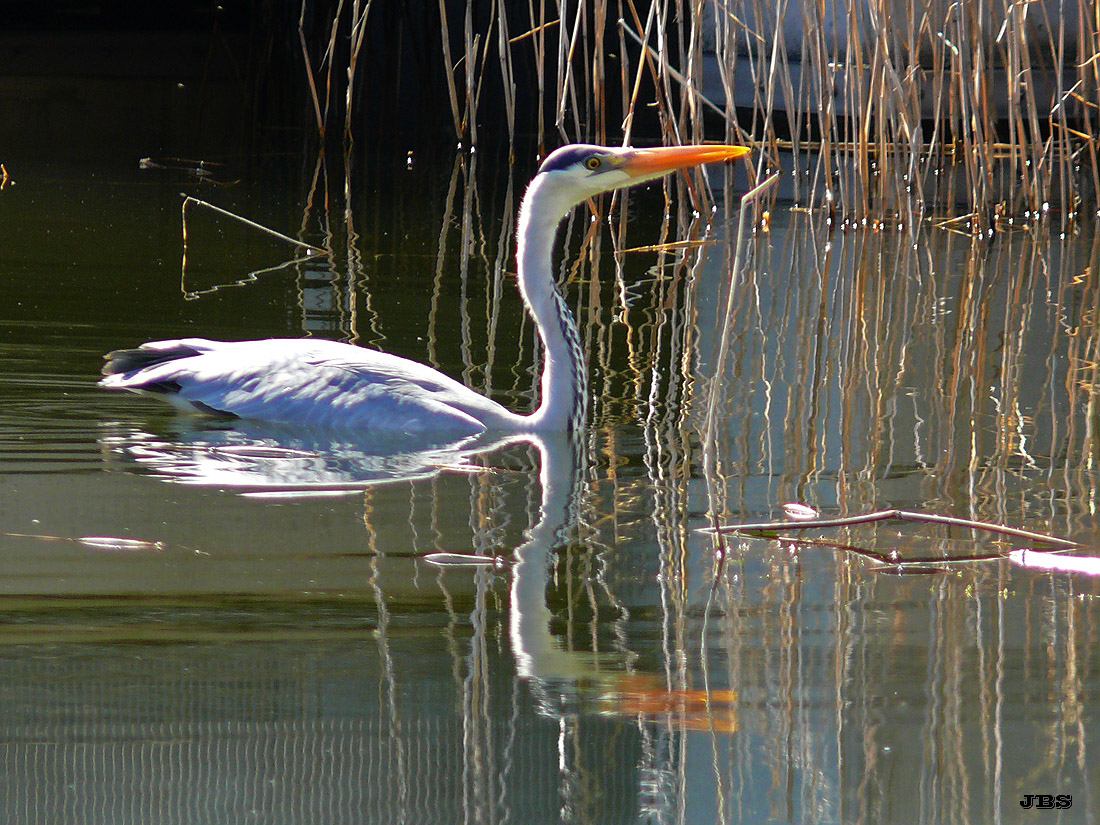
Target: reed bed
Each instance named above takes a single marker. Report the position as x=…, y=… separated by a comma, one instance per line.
x=877, y=110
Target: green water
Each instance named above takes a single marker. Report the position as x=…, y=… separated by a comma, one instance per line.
x=213, y=623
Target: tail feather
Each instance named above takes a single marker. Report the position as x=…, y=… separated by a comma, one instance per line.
x=123, y=361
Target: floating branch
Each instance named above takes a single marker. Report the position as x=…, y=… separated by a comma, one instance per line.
x=892, y=559
x=195, y=168
x=460, y=560
x=188, y=199
x=772, y=527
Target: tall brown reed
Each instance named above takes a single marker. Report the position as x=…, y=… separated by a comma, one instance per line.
x=880, y=109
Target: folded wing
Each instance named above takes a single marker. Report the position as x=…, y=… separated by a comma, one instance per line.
x=310, y=382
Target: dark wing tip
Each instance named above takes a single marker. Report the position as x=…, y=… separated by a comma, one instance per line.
x=122, y=361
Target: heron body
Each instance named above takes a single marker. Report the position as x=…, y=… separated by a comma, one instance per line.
x=319, y=383
x=313, y=382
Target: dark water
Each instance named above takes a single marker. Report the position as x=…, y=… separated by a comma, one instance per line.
x=204, y=622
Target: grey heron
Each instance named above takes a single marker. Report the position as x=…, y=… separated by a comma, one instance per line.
x=323, y=383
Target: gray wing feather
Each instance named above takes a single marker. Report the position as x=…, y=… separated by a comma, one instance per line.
x=315, y=383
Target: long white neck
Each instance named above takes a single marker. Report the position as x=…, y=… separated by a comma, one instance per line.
x=563, y=403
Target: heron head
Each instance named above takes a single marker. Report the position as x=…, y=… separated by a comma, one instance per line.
x=582, y=170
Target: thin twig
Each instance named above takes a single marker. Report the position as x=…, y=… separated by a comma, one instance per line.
x=519, y=38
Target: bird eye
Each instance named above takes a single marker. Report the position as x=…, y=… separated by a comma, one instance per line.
x=593, y=163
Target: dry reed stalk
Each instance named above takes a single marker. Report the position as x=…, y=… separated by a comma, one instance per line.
x=539, y=48
x=888, y=66
x=358, y=27
x=692, y=58
x=311, y=252
x=327, y=59
x=474, y=65
x=330, y=56
x=670, y=126
x=468, y=62
x=507, y=75
x=567, y=98
x=690, y=90
x=595, y=102
x=309, y=72
x=632, y=102
x=449, y=65
x=624, y=84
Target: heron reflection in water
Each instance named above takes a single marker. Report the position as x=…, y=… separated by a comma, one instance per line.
x=272, y=461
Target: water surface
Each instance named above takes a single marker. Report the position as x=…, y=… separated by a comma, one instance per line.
x=216, y=622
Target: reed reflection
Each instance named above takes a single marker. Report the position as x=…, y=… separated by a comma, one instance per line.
x=942, y=374
x=953, y=373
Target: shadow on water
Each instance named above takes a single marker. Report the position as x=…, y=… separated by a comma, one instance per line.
x=206, y=621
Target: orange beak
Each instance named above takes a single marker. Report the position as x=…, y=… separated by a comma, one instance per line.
x=664, y=159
